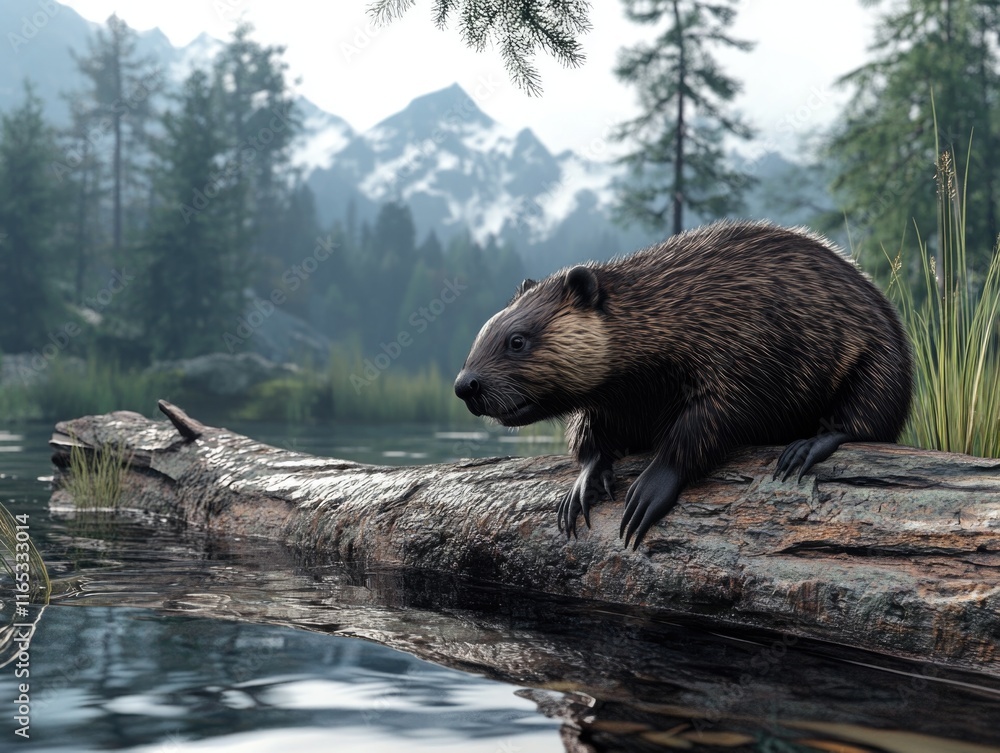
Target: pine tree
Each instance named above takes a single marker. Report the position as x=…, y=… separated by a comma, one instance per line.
x=505, y=265
x=118, y=103
x=80, y=170
x=194, y=277
x=297, y=227
x=518, y=29
x=335, y=310
x=30, y=200
x=260, y=123
x=933, y=62
x=679, y=162
x=392, y=259
x=423, y=286
x=431, y=252
x=465, y=261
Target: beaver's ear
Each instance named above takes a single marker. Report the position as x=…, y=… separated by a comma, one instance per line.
x=523, y=288
x=582, y=287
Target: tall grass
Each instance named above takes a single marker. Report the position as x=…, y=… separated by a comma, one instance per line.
x=339, y=391
x=99, y=387
x=393, y=395
x=94, y=480
x=17, y=403
x=953, y=328
x=344, y=391
x=22, y=563
x=15, y=543
x=73, y=388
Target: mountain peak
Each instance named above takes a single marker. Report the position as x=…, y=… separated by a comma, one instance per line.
x=451, y=109
x=451, y=98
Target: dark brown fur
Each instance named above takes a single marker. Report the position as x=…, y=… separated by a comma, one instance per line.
x=733, y=334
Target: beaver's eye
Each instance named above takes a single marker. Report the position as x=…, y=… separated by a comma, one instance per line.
x=517, y=342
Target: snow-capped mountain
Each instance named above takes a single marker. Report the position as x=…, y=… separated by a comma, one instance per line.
x=457, y=169
x=451, y=163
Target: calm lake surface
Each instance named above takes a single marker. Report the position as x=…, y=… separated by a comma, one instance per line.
x=160, y=638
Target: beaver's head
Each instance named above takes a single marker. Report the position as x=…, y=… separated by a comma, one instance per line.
x=540, y=356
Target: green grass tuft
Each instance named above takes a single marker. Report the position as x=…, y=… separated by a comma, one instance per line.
x=953, y=328
x=95, y=480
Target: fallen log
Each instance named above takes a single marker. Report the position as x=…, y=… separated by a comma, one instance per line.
x=883, y=547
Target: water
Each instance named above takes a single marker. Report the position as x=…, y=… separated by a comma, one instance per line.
x=122, y=658
x=137, y=679
x=161, y=638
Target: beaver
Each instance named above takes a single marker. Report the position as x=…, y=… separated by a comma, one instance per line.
x=736, y=333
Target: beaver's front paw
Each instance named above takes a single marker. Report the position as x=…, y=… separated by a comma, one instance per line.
x=650, y=497
x=595, y=479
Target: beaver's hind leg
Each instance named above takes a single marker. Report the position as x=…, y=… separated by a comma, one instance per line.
x=871, y=405
x=805, y=453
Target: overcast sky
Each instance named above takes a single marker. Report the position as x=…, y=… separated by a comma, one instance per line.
x=365, y=74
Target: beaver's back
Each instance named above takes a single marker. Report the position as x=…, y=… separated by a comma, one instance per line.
x=770, y=322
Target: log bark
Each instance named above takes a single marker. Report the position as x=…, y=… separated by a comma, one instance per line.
x=882, y=547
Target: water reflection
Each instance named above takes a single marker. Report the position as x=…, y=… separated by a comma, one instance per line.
x=106, y=678
x=106, y=675
x=613, y=678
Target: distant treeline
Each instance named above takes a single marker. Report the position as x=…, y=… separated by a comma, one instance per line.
x=164, y=224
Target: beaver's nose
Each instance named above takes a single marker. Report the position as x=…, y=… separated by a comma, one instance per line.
x=467, y=385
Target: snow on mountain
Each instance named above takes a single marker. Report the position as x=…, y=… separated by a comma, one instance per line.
x=579, y=178
x=323, y=135
x=457, y=168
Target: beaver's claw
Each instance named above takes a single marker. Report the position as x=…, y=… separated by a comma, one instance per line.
x=650, y=497
x=595, y=480
x=805, y=453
